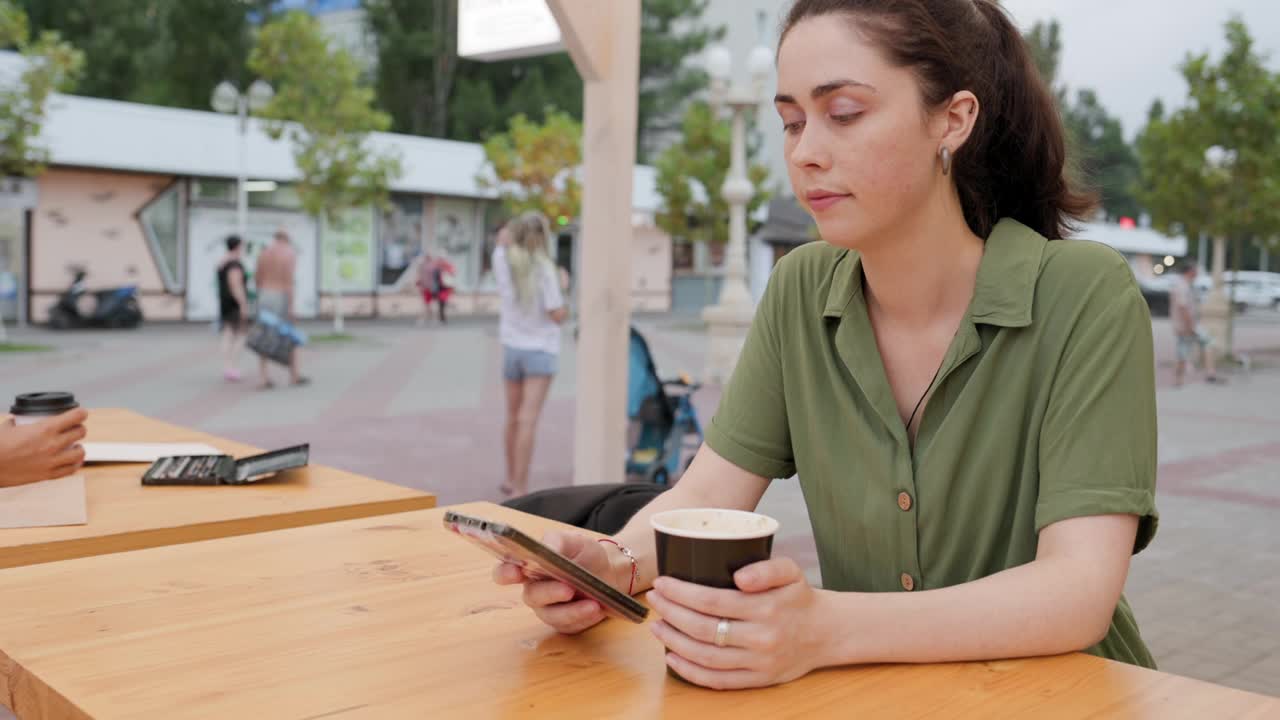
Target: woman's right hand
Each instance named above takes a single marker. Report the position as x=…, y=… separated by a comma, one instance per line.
x=554, y=602
x=42, y=451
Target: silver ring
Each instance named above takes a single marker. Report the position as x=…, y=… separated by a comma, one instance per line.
x=722, y=632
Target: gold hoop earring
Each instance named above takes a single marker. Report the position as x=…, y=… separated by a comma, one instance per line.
x=945, y=154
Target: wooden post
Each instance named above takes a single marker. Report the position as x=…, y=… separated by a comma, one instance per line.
x=603, y=38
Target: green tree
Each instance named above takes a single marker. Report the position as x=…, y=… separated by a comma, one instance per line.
x=671, y=32
x=1173, y=183
x=161, y=52
x=1212, y=166
x=1234, y=106
x=487, y=94
x=534, y=165
x=429, y=91
x=50, y=64
x=417, y=61
x=1102, y=154
x=200, y=44
x=702, y=156
x=318, y=89
x=117, y=37
x=1097, y=151
x=1045, y=41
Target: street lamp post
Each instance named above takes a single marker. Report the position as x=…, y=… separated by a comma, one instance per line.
x=228, y=99
x=729, y=319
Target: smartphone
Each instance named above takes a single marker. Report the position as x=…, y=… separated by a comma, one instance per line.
x=539, y=561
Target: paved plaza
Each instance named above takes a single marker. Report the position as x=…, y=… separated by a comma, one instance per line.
x=423, y=407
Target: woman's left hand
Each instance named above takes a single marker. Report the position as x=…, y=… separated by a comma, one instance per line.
x=775, y=629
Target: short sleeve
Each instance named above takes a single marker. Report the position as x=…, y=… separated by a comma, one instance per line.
x=750, y=429
x=551, y=297
x=1098, y=439
x=502, y=274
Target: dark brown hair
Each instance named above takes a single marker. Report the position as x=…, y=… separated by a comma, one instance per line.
x=1014, y=163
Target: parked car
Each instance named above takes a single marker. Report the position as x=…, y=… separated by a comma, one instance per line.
x=1261, y=289
x=1249, y=292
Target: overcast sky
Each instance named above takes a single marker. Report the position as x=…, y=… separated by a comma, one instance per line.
x=1128, y=50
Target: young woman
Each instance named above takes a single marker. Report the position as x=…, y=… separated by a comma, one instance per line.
x=233, y=307
x=532, y=310
x=968, y=400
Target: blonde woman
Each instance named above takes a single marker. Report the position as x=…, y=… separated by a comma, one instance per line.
x=529, y=328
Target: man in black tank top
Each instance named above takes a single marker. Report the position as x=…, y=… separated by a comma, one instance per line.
x=233, y=307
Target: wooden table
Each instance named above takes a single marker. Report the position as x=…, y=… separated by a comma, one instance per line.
x=125, y=515
x=392, y=617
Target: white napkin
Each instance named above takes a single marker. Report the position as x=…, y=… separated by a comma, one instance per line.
x=107, y=452
x=44, y=504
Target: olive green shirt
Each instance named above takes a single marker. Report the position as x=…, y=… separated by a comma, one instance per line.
x=1043, y=409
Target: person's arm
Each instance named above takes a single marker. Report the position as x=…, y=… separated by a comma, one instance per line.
x=1179, y=312
x=781, y=628
x=552, y=298
x=41, y=451
x=1188, y=318
x=710, y=481
x=262, y=271
x=748, y=442
x=291, y=267
x=235, y=280
x=1061, y=602
x=1180, y=302
x=502, y=274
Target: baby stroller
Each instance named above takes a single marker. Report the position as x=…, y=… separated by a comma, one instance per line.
x=663, y=421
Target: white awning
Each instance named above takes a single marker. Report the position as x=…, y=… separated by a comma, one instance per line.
x=1133, y=241
x=112, y=135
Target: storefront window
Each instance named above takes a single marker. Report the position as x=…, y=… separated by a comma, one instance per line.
x=346, y=263
x=161, y=221
x=400, y=232
x=458, y=236
x=283, y=197
x=213, y=190
x=11, y=263
x=261, y=193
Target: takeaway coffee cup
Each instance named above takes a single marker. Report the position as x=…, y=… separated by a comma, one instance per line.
x=31, y=408
x=708, y=545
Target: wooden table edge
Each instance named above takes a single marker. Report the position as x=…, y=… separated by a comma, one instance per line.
x=36, y=554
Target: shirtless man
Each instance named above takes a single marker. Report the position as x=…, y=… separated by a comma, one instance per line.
x=1184, y=311
x=276, y=267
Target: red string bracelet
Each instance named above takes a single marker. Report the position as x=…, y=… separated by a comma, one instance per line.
x=635, y=566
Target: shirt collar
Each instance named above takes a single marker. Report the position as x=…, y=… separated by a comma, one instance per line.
x=1005, y=288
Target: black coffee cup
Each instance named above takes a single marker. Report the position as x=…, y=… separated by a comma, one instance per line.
x=708, y=545
x=34, y=407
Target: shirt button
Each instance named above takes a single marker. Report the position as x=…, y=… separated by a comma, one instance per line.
x=908, y=583
x=904, y=501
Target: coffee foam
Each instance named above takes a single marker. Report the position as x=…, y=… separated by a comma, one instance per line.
x=714, y=524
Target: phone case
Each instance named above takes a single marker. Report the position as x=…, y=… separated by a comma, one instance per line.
x=510, y=545
x=224, y=469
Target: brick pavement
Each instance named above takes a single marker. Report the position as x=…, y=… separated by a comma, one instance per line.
x=423, y=408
